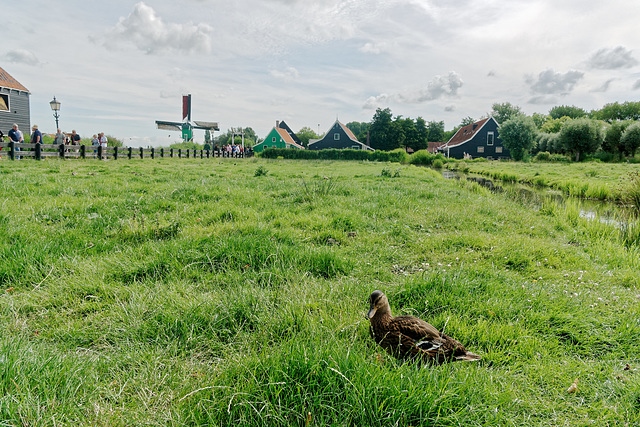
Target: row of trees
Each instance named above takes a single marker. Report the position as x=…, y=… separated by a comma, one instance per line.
x=386, y=132
x=612, y=132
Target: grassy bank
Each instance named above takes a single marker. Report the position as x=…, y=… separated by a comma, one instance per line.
x=231, y=292
x=603, y=181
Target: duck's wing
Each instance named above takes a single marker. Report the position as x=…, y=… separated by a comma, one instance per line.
x=424, y=340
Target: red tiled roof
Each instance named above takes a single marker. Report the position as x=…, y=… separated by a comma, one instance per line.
x=348, y=132
x=464, y=134
x=9, y=82
x=287, y=138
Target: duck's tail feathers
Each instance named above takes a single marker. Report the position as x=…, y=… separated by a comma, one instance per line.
x=469, y=357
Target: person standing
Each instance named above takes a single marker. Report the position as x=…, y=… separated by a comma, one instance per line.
x=15, y=136
x=103, y=144
x=36, y=136
x=59, y=137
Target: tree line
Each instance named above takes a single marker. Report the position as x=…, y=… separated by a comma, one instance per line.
x=609, y=134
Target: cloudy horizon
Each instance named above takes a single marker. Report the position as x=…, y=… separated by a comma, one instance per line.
x=118, y=66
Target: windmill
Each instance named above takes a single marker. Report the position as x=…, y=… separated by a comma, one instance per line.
x=186, y=126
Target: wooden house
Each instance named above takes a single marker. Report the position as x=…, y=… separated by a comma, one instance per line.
x=292, y=134
x=479, y=139
x=279, y=137
x=14, y=104
x=339, y=137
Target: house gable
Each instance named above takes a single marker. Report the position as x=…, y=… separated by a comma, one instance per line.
x=292, y=134
x=479, y=139
x=277, y=138
x=338, y=137
x=14, y=104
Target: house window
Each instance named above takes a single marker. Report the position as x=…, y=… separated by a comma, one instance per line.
x=489, y=138
x=498, y=149
x=4, y=102
x=480, y=149
x=336, y=136
x=273, y=139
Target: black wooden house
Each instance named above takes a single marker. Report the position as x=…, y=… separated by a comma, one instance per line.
x=338, y=137
x=14, y=104
x=479, y=139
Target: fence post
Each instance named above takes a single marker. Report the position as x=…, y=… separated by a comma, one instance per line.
x=115, y=153
x=179, y=153
x=12, y=150
x=61, y=150
x=38, y=151
x=153, y=153
x=99, y=151
x=141, y=153
x=130, y=152
x=161, y=152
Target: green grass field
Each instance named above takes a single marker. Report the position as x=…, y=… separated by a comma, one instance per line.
x=233, y=292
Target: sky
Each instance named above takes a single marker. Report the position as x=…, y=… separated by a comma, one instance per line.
x=117, y=66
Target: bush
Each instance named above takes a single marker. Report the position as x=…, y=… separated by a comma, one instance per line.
x=437, y=163
x=421, y=157
x=542, y=156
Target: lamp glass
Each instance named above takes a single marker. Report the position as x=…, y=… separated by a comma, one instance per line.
x=55, y=105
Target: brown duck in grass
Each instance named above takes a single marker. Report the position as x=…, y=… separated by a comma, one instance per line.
x=410, y=338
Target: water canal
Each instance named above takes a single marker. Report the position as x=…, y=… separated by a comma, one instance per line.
x=603, y=211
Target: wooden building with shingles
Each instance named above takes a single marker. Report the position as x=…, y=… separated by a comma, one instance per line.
x=14, y=104
x=279, y=137
x=479, y=139
x=338, y=137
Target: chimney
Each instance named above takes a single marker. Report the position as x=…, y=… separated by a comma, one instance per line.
x=277, y=123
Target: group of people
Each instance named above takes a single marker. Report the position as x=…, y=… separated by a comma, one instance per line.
x=15, y=135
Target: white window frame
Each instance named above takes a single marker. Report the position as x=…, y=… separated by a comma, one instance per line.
x=498, y=150
x=8, y=99
x=273, y=139
x=336, y=136
x=490, y=138
x=480, y=149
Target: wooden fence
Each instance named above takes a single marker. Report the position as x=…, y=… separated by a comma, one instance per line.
x=15, y=151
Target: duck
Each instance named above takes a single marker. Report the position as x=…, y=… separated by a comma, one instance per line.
x=410, y=338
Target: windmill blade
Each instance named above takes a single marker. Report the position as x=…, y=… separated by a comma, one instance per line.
x=168, y=125
x=186, y=107
x=206, y=125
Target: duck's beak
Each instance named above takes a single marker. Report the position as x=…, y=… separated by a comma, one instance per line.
x=371, y=312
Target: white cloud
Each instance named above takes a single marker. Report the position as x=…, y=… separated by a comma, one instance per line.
x=289, y=73
x=22, y=56
x=550, y=82
x=636, y=85
x=149, y=33
x=612, y=59
x=438, y=87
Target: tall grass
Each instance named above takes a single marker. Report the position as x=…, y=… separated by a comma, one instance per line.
x=192, y=292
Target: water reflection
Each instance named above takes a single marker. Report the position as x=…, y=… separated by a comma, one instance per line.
x=603, y=211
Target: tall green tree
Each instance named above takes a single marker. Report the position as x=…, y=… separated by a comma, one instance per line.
x=631, y=139
x=360, y=130
x=616, y=111
x=581, y=137
x=612, y=138
x=423, y=134
x=505, y=111
x=436, y=131
x=305, y=134
x=518, y=135
x=380, y=132
x=567, y=111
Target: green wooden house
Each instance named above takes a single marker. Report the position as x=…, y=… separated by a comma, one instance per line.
x=277, y=138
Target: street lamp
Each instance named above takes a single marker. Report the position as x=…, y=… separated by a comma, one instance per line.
x=55, y=106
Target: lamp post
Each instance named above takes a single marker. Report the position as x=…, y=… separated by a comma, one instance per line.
x=55, y=106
